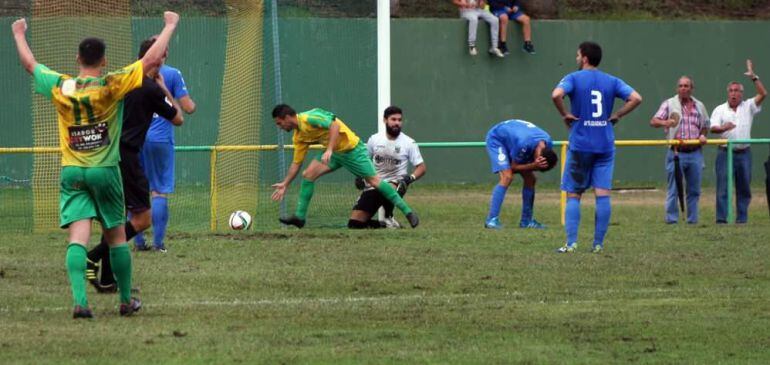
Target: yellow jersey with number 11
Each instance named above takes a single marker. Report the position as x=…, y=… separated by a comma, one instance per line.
x=89, y=112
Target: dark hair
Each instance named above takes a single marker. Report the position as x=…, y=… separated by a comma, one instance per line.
x=392, y=110
x=592, y=51
x=282, y=110
x=550, y=157
x=145, y=46
x=91, y=51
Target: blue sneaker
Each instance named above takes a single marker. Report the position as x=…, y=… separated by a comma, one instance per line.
x=493, y=223
x=597, y=249
x=568, y=248
x=531, y=224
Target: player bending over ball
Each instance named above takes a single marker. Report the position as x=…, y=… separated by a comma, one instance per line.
x=90, y=116
x=517, y=147
x=391, y=152
x=343, y=149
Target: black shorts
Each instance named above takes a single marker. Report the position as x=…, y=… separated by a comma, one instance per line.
x=136, y=189
x=370, y=201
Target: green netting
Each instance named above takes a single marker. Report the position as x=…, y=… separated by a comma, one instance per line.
x=226, y=51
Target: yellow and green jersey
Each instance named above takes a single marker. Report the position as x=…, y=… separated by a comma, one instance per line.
x=313, y=128
x=89, y=112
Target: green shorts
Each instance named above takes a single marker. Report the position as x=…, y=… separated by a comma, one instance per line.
x=91, y=192
x=356, y=161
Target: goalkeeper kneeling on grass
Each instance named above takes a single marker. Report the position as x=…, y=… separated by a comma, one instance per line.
x=391, y=152
x=343, y=149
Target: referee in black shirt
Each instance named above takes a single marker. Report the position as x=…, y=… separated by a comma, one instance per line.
x=138, y=109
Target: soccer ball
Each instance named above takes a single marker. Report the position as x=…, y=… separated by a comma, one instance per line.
x=240, y=220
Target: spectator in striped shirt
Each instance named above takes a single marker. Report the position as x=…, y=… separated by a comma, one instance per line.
x=683, y=117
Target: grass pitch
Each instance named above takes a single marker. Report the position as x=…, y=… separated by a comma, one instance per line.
x=447, y=292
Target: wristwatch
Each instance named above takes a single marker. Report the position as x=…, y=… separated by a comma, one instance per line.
x=754, y=78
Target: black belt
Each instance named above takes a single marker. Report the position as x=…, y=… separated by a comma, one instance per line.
x=687, y=149
x=736, y=150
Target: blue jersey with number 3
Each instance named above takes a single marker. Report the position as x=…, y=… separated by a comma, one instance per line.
x=592, y=95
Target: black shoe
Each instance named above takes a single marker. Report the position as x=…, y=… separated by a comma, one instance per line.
x=92, y=273
x=293, y=221
x=142, y=247
x=81, y=312
x=413, y=220
x=110, y=288
x=504, y=48
x=129, y=309
x=528, y=47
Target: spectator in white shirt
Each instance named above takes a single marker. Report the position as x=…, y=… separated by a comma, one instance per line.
x=732, y=120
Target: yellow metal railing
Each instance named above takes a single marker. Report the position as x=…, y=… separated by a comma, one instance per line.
x=564, y=146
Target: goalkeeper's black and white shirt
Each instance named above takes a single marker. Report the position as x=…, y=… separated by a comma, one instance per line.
x=392, y=157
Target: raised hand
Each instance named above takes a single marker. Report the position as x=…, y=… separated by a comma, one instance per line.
x=19, y=26
x=170, y=18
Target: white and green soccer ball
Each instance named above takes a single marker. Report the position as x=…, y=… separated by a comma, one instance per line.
x=240, y=220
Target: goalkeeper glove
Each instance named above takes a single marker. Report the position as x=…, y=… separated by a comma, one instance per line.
x=408, y=179
x=360, y=184
x=403, y=184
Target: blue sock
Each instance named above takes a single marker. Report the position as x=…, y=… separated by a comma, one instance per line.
x=603, y=212
x=527, y=204
x=572, y=219
x=139, y=240
x=159, y=220
x=498, y=196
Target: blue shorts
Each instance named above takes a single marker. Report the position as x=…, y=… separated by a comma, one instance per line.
x=158, y=162
x=498, y=154
x=514, y=15
x=587, y=169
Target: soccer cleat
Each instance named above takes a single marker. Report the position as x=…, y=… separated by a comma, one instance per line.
x=597, y=249
x=141, y=247
x=528, y=47
x=472, y=50
x=161, y=249
x=92, y=269
x=81, y=312
x=567, y=248
x=413, y=220
x=531, y=224
x=391, y=222
x=292, y=221
x=493, y=223
x=496, y=52
x=106, y=288
x=128, y=309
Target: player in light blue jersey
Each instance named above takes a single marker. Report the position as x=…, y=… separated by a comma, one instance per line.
x=517, y=147
x=591, y=155
x=158, y=159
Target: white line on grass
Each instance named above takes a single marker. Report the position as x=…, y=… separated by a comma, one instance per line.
x=354, y=300
x=272, y=302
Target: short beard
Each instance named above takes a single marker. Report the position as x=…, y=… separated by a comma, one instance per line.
x=393, y=131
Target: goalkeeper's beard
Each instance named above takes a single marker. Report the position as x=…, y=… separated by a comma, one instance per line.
x=393, y=131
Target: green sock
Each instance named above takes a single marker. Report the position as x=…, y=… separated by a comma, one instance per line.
x=305, y=194
x=391, y=194
x=76, y=270
x=120, y=257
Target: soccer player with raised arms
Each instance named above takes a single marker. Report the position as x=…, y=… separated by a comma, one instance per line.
x=517, y=147
x=90, y=115
x=591, y=156
x=343, y=149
